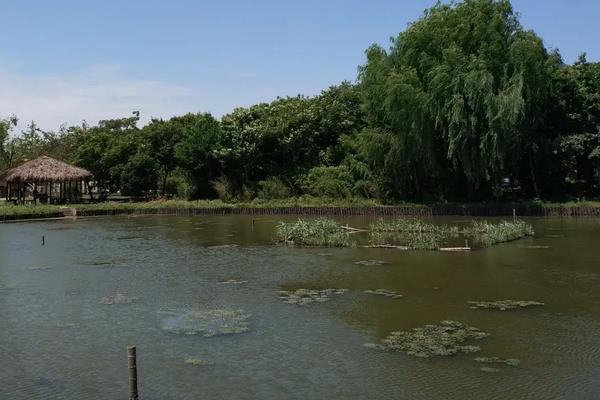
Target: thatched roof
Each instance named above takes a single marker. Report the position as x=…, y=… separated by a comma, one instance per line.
x=46, y=169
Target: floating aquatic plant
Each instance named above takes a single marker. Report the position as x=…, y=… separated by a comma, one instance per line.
x=196, y=361
x=513, y=362
x=206, y=323
x=118, y=298
x=384, y=292
x=317, y=232
x=444, y=339
x=307, y=296
x=503, y=305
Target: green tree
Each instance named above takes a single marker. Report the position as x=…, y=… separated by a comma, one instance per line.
x=577, y=121
x=7, y=144
x=106, y=149
x=459, y=97
x=195, y=153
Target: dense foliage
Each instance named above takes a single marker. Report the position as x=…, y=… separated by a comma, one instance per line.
x=466, y=104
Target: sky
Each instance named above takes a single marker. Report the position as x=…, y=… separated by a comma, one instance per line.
x=64, y=61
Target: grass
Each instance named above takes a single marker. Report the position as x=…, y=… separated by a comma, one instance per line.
x=9, y=211
x=410, y=225
x=318, y=232
x=426, y=240
x=414, y=233
x=505, y=231
x=419, y=235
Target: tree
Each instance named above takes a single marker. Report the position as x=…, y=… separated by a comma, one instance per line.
x=577, y=120
x=140, y=174
x=163, y=137
x=195, y=153
x=454, y=93
x=106, y=149
x=7, y=144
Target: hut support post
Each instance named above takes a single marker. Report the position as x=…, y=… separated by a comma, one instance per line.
x=89, y=190
x=132, y=366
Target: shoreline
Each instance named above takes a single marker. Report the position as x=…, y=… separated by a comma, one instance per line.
x=468, y=210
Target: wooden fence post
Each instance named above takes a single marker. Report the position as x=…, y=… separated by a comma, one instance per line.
x=132, y=366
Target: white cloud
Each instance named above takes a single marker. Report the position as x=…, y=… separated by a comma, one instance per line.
x=102, y=92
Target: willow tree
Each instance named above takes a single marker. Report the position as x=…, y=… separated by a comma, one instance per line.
x=459, y=98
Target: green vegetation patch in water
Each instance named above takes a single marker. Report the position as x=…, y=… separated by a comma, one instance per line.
x=307, y=296
x=414, y=234
x=317, y=232
x=410, y=225
x=445, y=339
x=503, y=305
x=206, y=323
x=384, y=293
x=505, y=231
x=196, y=361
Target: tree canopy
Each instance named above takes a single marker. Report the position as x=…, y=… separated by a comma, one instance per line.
x=466, y=104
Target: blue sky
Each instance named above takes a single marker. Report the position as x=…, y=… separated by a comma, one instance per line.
x=63, y=61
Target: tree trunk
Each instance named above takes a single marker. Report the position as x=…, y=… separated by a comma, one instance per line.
x=532, y=176
x=164, y=182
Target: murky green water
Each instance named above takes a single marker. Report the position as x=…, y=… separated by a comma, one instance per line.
x=172, y=286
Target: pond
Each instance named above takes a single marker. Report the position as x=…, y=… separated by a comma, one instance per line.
x=218, y=312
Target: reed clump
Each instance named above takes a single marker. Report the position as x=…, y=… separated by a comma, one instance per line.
x=410, y=225
x=318, y=232
x=415, y=234
x=505, y=231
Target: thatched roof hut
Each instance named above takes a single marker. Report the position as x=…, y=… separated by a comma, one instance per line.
x=46, y=178
x=46, y=169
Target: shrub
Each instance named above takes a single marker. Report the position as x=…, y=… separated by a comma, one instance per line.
x=335, y=182
x=273, y=188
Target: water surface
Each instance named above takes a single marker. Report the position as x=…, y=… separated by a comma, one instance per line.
x=69, y=309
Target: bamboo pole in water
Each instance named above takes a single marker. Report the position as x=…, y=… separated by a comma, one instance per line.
x=132, y=366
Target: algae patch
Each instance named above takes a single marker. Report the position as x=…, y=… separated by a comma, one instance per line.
x=503, y=305
x=196, y=362
x=384, y=292
x=445, y=339
x=206, y=323
x=306, y=296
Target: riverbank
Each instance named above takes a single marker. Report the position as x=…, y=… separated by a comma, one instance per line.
x=301, y=206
